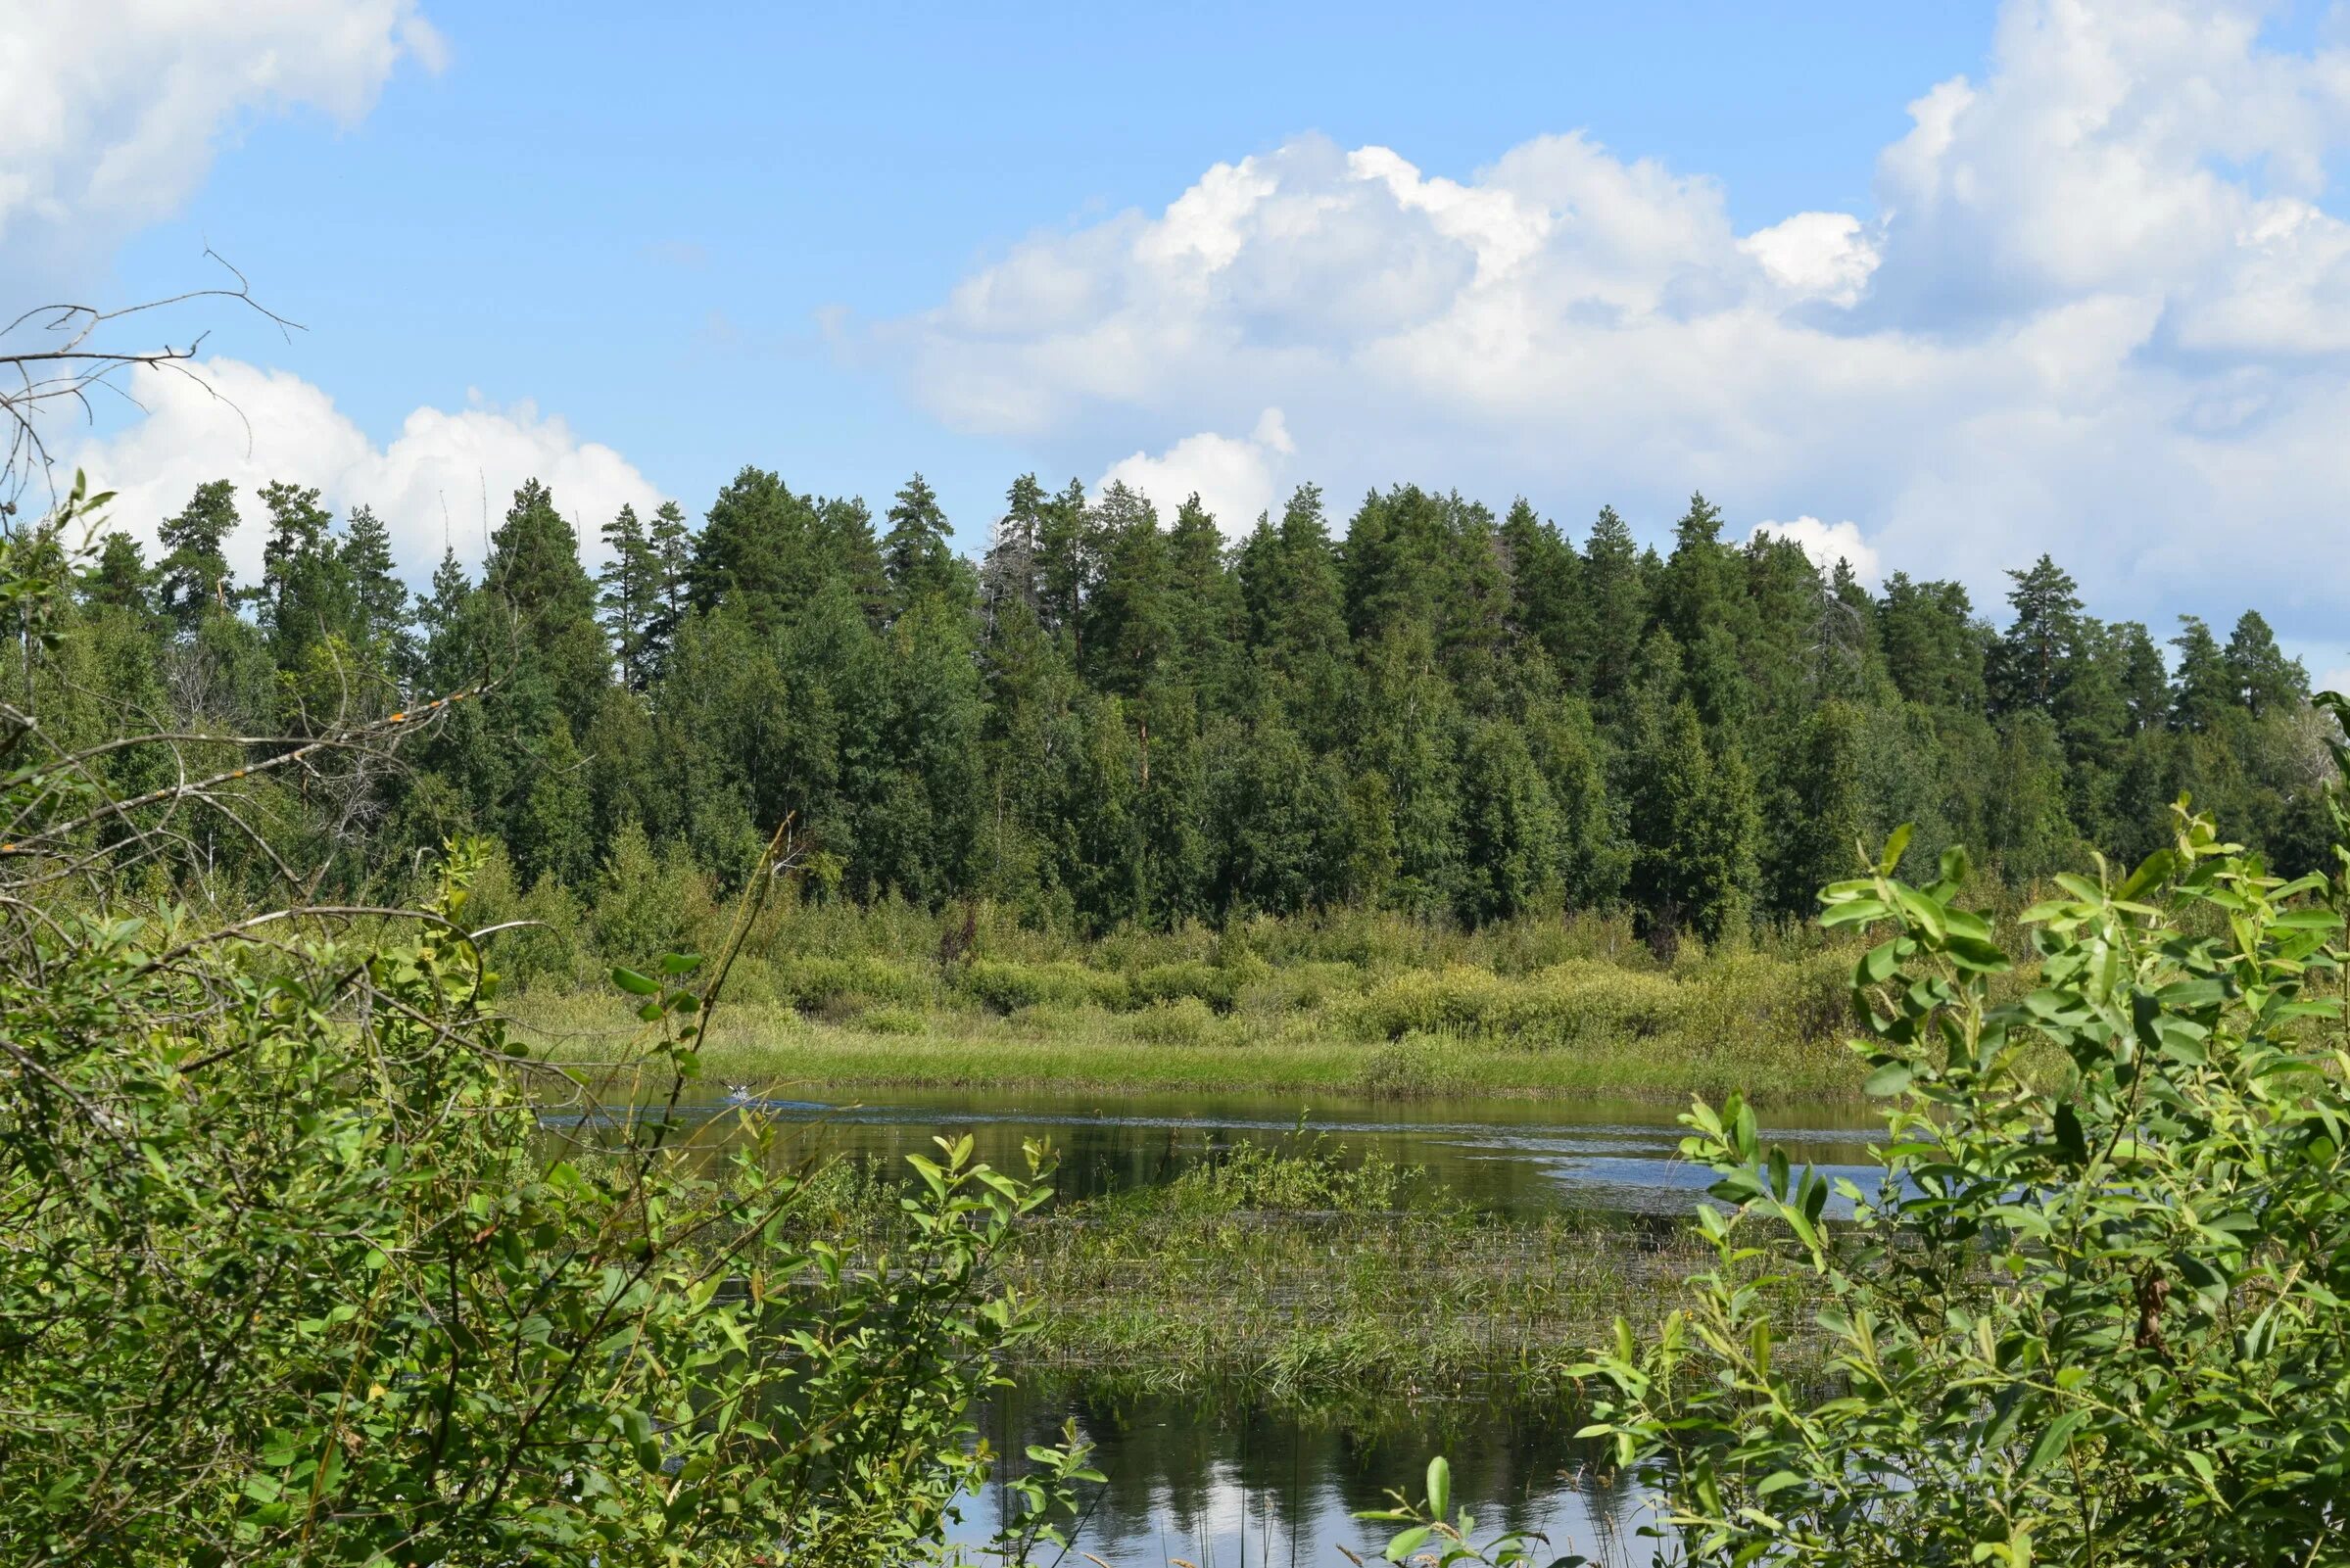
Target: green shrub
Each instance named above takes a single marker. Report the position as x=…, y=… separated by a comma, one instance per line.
x=892, y=1021
x=647, y=904
x=837, y=986
x=1008, y=986
x=1562, y=1005
x=1164, y=982
x=1187, y=1021
x=2104, y=1324
x=1415, y=1065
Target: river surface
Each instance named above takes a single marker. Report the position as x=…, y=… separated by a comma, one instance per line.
x=1219, y=1482
x=1516, y=1156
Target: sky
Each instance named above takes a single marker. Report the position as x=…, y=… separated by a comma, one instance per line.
x=1933, y=288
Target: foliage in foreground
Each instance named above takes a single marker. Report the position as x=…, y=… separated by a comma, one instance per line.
x=289, y=1271
x=2099, y=1325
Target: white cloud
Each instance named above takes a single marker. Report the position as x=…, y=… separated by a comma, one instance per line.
x=447, y=476
x=1234, y=476
x=1826, y=544
x=2102, y=308
x=1823, y=255
x=111, y=110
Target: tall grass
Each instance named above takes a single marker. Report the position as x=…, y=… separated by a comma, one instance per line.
x=1344, y=1003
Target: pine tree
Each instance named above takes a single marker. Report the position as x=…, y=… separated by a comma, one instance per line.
x=914, y=551
x=1068, y=562
x=1824, y=820
x=193, y=574
x=1617, y=611
x=1009, y=574
x=121, y=579
x=2026, y=822
x=2027, y=667
x=448, y=661
x=1510, y=831
x=2263, y=680
x=379, y=599
x=1546, y=589
x=1694, y=824
x=1289, y=581
x=2203, y=690
x=847, y=551
x=1934, y=648
x=552, y=834
x=558, y=652
x=670, y=543
x=1130, y=632
x=761, y=547
x=1205, y=609
x=630, y=582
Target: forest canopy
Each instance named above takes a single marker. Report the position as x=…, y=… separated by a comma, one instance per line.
x=1113, y=717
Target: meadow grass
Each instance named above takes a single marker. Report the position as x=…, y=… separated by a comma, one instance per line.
x=1365, y=1005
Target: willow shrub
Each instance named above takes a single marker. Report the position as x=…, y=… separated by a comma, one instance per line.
x=2102, y=1323
x=290, y=1271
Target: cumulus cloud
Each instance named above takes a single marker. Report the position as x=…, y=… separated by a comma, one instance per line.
x=1234, y=476
x=111, y=110
x=1822, y=256
x=2101, y=307
x=447, y=477
x=1826, y=544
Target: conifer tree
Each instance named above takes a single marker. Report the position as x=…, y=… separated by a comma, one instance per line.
x=914, y=551
x=532, y=569
x=670, y=545
x=2203, y=690
x=1617, y=609
x=121, y=579
x=1546, y=589
x=2027, y=666
x=630, y=584
x=379, y=599
x=1203, y=607
x=2261, y=678
x=193, y=576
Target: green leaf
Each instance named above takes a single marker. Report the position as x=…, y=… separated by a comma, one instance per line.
x=1440, y=1487
x=1890, y=1079
x=2054, y=1440
x=1895, y=845
x=2069, y=1136
x=634, y=984
x=1405, y=1543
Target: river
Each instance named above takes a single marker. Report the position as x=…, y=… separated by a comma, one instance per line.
x=1223, y=1481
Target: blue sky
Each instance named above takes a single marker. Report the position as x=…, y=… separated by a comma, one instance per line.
x=2091, y=296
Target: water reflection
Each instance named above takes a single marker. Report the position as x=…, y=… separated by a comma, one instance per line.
x=1222, y=1484
x=1511, y=1155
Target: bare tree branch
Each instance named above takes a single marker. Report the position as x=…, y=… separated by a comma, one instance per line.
x=79, y=359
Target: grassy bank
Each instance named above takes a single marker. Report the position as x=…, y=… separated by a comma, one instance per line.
x=1361, y=1005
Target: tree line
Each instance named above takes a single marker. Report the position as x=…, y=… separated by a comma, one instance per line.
x=1113, y=717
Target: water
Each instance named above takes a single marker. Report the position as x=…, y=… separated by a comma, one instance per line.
x=1220, y=1485
x=1225, y=1480
x=1516, y=1155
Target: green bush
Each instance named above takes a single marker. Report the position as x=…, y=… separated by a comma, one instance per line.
x=898, y=1021
x=1187, y=1021
x=1558, y=1005
x=836, y=987
x=2101, y=1324
x=1217, y=987
x=1008, y=986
